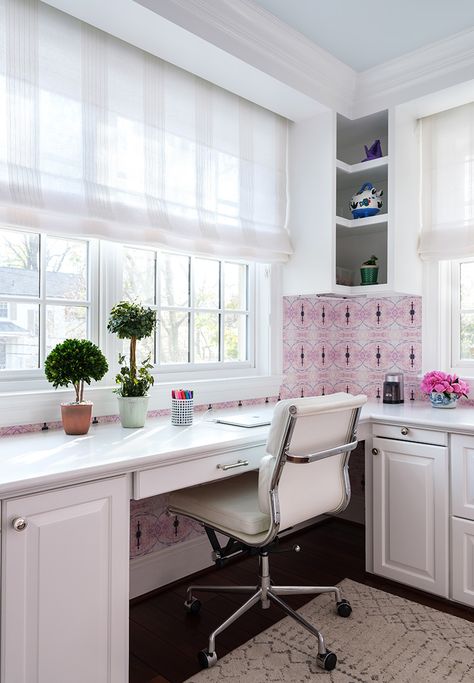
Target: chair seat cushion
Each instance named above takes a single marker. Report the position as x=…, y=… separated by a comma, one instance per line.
x=227, y=504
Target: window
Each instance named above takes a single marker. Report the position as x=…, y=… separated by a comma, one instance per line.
x=462, y=314
x=49, y=291
x=45, y=281
x=203, y=306
x=447, y=239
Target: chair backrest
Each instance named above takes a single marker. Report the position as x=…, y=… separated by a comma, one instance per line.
x=305, y=472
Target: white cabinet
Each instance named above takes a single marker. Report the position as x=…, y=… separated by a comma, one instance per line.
x=462, y=476
x=65, y=585
x=462, y=560
x=462, y=521
x=410, y=513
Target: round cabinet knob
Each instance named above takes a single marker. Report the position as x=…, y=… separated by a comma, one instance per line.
x=375, y=451
x=19, y=524
x=404, y=431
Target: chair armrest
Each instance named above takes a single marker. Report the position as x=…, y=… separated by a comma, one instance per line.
x=321, y=455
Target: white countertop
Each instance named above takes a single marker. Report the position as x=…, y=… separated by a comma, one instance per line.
x=51, y=458
x=421, y=414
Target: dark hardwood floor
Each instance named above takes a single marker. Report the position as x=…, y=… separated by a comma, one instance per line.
x=164, y=640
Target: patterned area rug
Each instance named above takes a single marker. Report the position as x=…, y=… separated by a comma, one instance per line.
x=387, y=638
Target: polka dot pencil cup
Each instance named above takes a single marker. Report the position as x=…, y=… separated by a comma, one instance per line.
x=182, y=405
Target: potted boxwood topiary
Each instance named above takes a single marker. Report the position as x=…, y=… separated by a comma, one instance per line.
x=132, y=321
x=75, y=361
x=369, y=271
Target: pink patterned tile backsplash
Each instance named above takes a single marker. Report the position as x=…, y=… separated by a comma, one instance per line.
x=349, y=344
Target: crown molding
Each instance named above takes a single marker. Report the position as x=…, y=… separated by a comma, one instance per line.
x=258, y=37
x=427, y=70
x=239, y=46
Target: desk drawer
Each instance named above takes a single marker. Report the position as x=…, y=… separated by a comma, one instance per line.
x=199, y=471
x=404, y=433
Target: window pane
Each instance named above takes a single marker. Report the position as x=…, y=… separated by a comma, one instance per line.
x=235, y=286
x=139, y=275
x=66, y=269
x=235, y=337
x=19, y=338
x=206, y=337
x=19, y=263
x=174, y=337
x=467, y=285
x=145, y=349
x=174, y=280
x=467, y=336
x=65, y=322
x=206, y=283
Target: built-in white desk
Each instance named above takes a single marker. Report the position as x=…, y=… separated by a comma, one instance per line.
x=65, y=521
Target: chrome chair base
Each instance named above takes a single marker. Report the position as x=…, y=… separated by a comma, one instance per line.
x=266, y=593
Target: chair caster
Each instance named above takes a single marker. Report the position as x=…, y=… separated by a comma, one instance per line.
x=327, y=661
x=343, y=608
x=193, y=606
x=206, y=659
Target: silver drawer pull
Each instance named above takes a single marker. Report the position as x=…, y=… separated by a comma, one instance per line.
x=375, y=451
x=404, y=431
x=239, y=463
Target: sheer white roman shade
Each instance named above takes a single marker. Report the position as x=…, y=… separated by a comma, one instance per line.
x=99, y=138
x=448, y=184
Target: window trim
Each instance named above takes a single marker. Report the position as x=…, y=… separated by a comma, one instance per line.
x=457, y=363
x=440, y=310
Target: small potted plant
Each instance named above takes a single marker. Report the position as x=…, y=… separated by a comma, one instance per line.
x=443, y=389
x=75, y=361
x=369, y=271
x=132, y=321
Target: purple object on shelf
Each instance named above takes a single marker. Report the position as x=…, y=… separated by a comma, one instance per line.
x=374, y=151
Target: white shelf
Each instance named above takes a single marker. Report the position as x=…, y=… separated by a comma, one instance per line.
x=362, y=166
x=363, y=290
x=356, y=223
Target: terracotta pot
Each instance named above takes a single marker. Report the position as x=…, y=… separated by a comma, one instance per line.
x=76, y=417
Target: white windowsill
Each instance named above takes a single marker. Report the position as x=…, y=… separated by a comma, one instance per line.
x=21, y=407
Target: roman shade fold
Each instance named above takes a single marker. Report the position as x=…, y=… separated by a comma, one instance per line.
x=99, y=138
x=448, y=184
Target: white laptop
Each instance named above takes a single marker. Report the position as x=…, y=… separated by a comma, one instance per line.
x=244, y=420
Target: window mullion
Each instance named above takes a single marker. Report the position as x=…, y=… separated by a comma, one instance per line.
x=221, y=312
x=191, y=301
x=42, y=300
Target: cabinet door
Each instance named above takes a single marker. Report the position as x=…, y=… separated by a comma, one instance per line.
x=410, y=503
x=462, y=560
x=462, y=476
x=65, y=585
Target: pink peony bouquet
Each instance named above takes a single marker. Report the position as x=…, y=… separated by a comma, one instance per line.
x=445, y=384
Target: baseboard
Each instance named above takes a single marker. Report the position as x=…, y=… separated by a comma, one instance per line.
x=169, y=564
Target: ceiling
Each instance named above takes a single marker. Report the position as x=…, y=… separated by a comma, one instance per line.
x=363, y=35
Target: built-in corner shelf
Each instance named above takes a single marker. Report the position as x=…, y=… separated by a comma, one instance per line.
x=362, y=166
x=363, y=290
x=359, y=223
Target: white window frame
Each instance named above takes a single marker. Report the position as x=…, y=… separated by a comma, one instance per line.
x=250, y=311
x=461, y=365
x=441, y=319
x=29, y=380
x=27, y=393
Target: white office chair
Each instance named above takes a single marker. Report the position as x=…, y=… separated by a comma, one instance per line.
x=305, y=474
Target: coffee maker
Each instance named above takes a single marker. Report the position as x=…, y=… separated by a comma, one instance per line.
x=393, y=388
